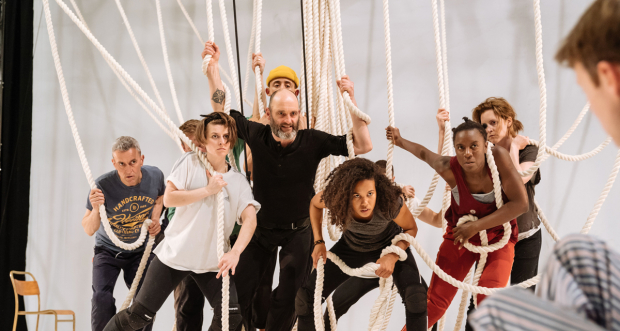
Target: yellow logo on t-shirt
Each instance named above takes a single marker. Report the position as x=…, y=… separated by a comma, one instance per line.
x=130, y=214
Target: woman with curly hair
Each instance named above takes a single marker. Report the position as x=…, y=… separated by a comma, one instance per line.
x=369, y=209
x=469, y=176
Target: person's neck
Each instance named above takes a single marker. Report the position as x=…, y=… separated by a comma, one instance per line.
x=128, y=184
x=218, y=163
x=282, y=142
x=505, y=142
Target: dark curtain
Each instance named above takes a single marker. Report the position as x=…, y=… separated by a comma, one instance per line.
x=16, y=147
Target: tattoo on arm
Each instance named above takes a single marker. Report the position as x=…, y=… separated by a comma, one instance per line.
x=219, y=96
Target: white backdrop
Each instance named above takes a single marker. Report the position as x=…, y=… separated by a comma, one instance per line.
x=490, y=53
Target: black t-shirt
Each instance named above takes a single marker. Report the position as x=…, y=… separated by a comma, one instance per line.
x=284, y=176
x=529, y=220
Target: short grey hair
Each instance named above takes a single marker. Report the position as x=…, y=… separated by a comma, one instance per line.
x=125, y=143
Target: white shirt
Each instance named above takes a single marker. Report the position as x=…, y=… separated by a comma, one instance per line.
x=191, y=237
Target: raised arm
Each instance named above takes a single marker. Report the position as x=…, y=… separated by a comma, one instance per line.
x=441, y=164
x=216, y=87
x=316, y=219
x=258, y=60
x=515, y=191
x=361, y=136
x=441, y=117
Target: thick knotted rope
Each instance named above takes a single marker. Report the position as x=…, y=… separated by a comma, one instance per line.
x=78, y=143
x=379, y=314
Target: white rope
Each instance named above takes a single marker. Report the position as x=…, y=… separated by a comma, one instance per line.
x=139, y=52
x=84, y=161
x=257, y=39
x=162, y=37
x=163, y=115
x=131, y=92
x=202, y=42
x=542, y=118
x=141, y=267
x=229, y=52
x=390, y=92
x=601, y=199
x=249, y=57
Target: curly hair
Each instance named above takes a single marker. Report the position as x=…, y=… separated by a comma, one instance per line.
x=342, y=180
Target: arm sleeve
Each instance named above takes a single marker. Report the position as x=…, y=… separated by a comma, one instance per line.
x=246, y=129
x=330, y=144
x=528, y=154
x=179, y=176
x=162, y=183
x=246, y=198
x=396, y=211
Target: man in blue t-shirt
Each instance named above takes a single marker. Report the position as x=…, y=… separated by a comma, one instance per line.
x=131, y=194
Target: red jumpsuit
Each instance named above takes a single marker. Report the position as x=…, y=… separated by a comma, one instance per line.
x=457, y=262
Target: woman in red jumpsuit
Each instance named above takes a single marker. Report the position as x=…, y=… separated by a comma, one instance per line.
x=469, y=177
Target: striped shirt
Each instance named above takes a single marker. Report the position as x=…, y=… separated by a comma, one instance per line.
x=579, y=290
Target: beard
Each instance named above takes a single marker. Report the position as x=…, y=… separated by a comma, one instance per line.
x=277, y=130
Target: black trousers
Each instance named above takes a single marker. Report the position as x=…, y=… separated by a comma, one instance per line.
x=262, y=297
x=406, y=278
x=107, y=266
x=189, y=303
x=295, y=264
x=524, y=267
x=161, y=280
x=349, y=292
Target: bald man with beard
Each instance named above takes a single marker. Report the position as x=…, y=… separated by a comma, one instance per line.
x=285, y=164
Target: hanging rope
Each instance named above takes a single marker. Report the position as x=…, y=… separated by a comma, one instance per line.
x=173, y=91
x=82, y=155
x=129, y=89
x=202, y=42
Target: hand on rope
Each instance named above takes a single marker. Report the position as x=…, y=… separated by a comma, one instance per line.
x=409, y=191
x=258, y=61
x=210, y=57
x=346, y=89
x=442, y=117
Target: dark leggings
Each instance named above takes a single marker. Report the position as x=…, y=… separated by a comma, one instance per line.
x=524, y=267
x=349, y=292
x=406, y=278
x=159, y=282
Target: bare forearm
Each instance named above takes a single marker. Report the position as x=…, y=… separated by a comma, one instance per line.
x=216, y=87
x=181, y=198
x=430, y=217
x=316, y=219
x=247, y=230
x=361, y=136
x=509, y=211
x=159, y=206
x=91, y=222
x=255, y=109
x=442, y=133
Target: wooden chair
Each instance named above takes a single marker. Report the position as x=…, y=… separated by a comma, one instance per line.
x=23, y=288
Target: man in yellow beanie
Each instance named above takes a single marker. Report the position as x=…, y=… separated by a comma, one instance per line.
x=282, y=77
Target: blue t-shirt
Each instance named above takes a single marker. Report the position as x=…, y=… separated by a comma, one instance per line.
x=127, y=206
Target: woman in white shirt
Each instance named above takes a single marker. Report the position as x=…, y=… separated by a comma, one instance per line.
x=190, y=246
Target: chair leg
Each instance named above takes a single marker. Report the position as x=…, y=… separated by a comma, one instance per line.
x=37, y=328
x=55, y=322
x=73, y=322
x=15, y=320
